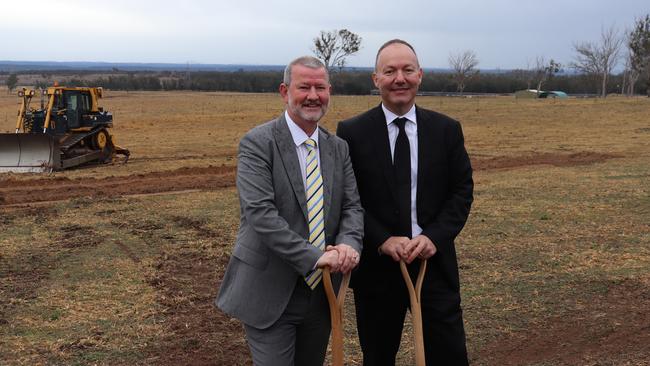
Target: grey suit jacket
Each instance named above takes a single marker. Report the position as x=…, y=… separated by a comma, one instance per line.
x=272, y=250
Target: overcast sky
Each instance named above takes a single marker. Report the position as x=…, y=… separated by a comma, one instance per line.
x=503, y=33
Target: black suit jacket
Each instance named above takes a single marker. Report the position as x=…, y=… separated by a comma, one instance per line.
x=444, y=196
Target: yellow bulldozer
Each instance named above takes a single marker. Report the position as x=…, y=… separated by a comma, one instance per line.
x=71, y=129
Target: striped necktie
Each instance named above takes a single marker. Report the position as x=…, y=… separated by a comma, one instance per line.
x=314, y=191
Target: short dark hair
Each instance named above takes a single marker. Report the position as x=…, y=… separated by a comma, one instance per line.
x=395, y=41
x=307, y=61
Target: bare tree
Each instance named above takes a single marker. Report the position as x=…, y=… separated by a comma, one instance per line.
x=334, y=47
x=544, y=71
x=599, y=59
x=464, y=65
x=638, y=43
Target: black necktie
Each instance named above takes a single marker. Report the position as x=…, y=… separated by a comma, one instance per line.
x=402, y=165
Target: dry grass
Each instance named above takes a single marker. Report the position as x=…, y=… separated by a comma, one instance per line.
x=541, y=243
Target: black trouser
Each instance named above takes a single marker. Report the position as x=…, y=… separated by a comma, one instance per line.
x=380, y=320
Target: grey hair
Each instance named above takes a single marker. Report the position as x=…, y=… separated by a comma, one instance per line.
x=307, y=61
x=396, y=41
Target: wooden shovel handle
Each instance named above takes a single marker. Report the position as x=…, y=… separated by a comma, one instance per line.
x=336, y=314
x=416, y=309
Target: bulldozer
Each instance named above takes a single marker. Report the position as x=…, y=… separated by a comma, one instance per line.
x=71, y=129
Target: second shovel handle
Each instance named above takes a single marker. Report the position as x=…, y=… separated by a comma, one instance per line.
x=416, y=309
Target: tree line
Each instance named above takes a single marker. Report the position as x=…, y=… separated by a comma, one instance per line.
x=343, y=82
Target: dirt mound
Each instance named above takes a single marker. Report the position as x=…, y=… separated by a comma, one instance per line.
x=611, y=329
x=510, y=162
x=14, y=191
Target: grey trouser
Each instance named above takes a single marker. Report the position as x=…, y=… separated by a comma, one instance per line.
x=301, y=334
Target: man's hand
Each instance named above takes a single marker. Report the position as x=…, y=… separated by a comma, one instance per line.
x=420, y=246
x=329, y=259
x=395, y=246
x=348, y=257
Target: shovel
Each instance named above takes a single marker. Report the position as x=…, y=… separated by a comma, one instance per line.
x=336, y=314
x=416, y=310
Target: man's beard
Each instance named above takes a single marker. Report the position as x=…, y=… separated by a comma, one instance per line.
x=308, y=116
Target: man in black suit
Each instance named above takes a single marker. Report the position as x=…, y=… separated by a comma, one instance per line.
x=415, y=181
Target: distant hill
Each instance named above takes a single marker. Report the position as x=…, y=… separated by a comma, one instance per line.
x=23, y=66
x=32, y=66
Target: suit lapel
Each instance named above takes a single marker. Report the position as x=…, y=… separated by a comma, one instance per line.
x=379, y=139
x=326, y=168
x=287, y=148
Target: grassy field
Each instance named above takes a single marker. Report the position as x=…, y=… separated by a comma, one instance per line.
x=555, y=257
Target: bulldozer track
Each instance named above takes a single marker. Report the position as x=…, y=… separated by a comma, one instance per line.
x=17, y=192
x=228, y=155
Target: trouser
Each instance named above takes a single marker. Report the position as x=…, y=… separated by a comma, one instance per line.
x=380, y=320
x=299, y=337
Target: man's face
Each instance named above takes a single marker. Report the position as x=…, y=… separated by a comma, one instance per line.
x=398, y=77
x=307, y=96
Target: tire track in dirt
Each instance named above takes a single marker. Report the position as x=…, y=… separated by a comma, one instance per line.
x=186, y=278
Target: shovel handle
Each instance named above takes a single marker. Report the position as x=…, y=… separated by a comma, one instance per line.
x=336, y=313
x=416, y=309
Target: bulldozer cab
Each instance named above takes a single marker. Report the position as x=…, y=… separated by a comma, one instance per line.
x=76, y=104
x=70, y=108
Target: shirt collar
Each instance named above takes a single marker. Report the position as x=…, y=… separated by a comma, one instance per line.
x=299, y=136
x=390, y=116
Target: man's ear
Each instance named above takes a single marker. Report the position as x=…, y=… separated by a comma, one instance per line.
x=374, y=79
x=284, y=91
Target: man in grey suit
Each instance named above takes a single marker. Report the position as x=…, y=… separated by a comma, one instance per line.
x=300, y=212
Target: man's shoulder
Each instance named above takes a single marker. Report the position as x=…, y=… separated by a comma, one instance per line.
x=262, y=131
x=361, y=123
x=336, y=141
x=430, y=116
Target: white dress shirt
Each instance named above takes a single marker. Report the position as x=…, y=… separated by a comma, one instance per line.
x=299, y=137
x=411, y=128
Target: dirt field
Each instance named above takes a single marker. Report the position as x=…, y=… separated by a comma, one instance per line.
x=119, y=264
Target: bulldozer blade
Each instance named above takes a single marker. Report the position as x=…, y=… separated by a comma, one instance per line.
x=28, y=153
